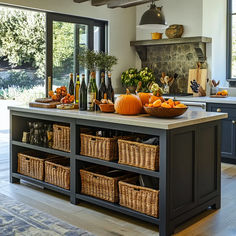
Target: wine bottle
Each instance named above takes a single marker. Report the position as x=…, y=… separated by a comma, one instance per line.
x=91, y=92
x=110, y=90
x=71, y=85
x=77, y=87
x=83, y=95
x=102, y=90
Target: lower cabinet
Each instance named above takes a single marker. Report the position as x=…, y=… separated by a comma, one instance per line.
x=228, y=131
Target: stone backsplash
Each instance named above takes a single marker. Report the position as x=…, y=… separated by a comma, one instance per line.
x=171, y=59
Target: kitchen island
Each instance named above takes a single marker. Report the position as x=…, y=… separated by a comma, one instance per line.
x=189, y=172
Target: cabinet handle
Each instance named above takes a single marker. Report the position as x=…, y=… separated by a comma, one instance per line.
x=218, y=110
x=233, y=121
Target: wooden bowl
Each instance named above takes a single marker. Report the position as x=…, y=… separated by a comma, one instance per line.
x=108, y=108
x=162, y=112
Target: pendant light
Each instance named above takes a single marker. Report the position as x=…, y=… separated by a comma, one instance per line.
x=153, y=19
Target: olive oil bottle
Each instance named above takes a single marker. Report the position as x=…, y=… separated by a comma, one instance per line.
x=83, y=95
x=91, y=92
x=77, y=88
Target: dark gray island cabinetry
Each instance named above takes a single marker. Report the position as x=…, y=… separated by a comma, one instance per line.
x=228, y=141
x=189, y=171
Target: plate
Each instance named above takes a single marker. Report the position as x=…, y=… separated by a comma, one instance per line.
x=162, y=112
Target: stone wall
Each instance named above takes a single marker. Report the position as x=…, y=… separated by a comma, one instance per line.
x=171, y=59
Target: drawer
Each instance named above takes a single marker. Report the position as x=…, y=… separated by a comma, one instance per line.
x=225, y=108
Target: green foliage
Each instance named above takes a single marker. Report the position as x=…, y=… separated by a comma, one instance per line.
x=130, y=77
x=133, y=77
x=89, y=59
x=22, y=38
x=20, y=79
x=106, y=61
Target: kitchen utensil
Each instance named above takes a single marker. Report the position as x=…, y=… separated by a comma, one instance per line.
x=162, y=112
x=214, y=83
x=199, y=75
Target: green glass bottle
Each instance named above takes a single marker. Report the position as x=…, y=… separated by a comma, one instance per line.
x=91, y=92
x=110, y=90
x=71, y=85
x=77, y=87
x=102, y=90
x=83, y=95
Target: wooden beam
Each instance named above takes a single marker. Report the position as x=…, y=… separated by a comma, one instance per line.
x=80, y=1
x=99, y=2
x=125, y=3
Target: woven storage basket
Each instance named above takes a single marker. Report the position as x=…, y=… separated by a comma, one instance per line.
x=57, y=172
x=95, y=183
x=31, y=163
x=141, y=199
x=61, y=137
x=140, y=155
x=99, y=147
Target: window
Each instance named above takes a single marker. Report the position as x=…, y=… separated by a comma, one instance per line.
x=66, y=36
x=231, y=40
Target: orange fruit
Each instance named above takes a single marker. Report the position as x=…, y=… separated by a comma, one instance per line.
x=157, y=103
x=165, y=105
x=177, y=102
x=150, y=105
x=180, y=106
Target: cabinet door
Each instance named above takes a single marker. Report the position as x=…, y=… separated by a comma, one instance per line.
x=228, y=136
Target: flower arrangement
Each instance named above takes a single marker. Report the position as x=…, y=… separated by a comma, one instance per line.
x=146, y=77
x=132, y=77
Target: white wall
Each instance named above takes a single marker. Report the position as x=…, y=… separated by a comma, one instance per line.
x=122, y=27
x=184, y=12
x=214, y=26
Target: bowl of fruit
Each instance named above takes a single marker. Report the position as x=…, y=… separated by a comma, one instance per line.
x=61, y=95
x=105, y=105
x=165, y=109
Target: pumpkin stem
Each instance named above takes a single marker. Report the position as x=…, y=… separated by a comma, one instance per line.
x=127, y=92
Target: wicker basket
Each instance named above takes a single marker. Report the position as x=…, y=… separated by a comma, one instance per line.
x=141, y=199
x=99, y=147
x=61, y=138
x=31, y=163
x=94, y=182
x=57, y=172
x=140, y=155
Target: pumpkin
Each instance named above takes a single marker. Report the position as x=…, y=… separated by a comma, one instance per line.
x=144, y=97
x=153, y=98
x=128, y=104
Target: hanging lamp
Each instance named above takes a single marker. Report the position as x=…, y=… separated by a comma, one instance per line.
x=153, y=19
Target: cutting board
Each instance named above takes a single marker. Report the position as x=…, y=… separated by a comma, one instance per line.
x=44, y=105
x=200, y=75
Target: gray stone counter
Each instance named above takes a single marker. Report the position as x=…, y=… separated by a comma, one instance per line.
x=187, y=119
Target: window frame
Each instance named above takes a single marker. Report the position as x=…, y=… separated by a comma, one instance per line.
x=50, y=17
x=229, y=77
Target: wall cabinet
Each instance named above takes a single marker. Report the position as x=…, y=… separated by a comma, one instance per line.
x=228, y=131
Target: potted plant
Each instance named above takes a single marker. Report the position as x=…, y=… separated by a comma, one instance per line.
x=146, y=77
x=130, y=79
x=89, y=59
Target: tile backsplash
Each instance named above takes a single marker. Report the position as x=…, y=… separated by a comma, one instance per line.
x=171, y=59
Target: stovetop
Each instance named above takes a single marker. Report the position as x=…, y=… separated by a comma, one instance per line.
x=178, y=94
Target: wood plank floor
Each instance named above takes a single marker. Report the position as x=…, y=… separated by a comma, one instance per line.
x=107, y=223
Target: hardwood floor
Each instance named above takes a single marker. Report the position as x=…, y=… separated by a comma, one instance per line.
x=107, y=223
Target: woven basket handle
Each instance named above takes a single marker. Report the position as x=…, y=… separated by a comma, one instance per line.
x=93, y=139
x=27, y=159
x=136, y=189
x=95, y=177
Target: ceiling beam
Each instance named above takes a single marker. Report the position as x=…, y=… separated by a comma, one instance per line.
x=125, y=3
x=99, y=2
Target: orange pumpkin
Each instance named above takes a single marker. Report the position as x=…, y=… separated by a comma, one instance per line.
x=153, y=98
x=128, y=104
x=144, y=97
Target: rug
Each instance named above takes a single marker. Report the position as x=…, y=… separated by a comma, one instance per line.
x=19, y=219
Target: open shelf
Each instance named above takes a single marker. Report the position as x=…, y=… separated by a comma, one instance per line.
x=119, y=166
x=171, y=41
x=41, y=183
x=118, y=208
x=42, y=149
